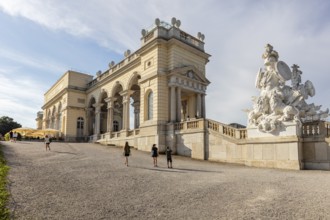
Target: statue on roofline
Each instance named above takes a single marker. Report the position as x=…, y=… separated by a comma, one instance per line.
x=279, y=102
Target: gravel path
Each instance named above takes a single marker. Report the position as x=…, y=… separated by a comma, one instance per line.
x=89, y=181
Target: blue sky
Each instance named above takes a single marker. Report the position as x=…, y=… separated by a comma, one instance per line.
x=42, y=39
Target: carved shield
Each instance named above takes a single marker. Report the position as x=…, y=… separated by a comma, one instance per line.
x=283, y=70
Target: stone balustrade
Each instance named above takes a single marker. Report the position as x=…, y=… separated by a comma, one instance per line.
x=315, y=129
x=214, y=126
x=236, y=133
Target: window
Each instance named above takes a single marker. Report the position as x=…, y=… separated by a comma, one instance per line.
x=80, y=123
x=150, y=106
x=80, y=127
x=115, y=126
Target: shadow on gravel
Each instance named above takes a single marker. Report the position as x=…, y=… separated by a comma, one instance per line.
x=159, y=169
x=193, y=170
x=176, y=170
x=63, y=152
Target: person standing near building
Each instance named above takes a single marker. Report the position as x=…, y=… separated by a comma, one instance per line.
x=47, y=142
x=14, y=136
x=154, y=154
x=127, y=152
x=169, y=157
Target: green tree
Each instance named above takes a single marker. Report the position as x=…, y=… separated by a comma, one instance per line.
x=7, y=124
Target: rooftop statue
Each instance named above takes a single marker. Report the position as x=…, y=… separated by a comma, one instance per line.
x=279, y=102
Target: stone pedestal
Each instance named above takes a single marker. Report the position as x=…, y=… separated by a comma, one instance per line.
x=288, y=129
x=281, y=149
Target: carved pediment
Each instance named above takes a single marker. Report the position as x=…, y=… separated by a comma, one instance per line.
x=191, y=73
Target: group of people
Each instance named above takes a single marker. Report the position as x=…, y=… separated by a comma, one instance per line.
x=154, y=154
x=13, y=136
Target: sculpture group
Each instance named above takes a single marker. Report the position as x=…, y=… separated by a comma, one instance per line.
x=279, y=102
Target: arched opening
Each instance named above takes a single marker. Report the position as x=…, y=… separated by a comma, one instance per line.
x=118, y=108
x=134, y=112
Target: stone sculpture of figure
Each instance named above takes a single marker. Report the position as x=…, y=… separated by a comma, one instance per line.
x=278, y=102
x=296, y=76
x=269, y=79
x=277, y=107
x=260, y=108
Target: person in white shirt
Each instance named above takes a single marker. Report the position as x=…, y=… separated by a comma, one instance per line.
x=47, y=142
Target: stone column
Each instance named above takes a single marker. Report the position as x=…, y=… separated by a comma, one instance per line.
x=126, y=98
x=110, y=102
x=198, y=105
x=203, y=113
x=89, y=121
x=136, y=106
x=178, y=110
x=53, y=122
x=56, y=121
x=97, y=118
x=173, y=104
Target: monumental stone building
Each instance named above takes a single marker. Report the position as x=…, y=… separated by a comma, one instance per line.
x=156, y=95
x=164, y=82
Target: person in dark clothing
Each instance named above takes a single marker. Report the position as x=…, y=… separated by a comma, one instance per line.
x=154, y=154
x=127, y=152
x=169, y=157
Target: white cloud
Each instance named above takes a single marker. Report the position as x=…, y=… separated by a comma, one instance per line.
x=26, y=60
x=20, y=97
x=51, y=14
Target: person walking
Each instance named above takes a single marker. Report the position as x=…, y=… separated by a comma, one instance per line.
x=127, y=152
x=47, y=142
x=154, y=154
x=169, y=157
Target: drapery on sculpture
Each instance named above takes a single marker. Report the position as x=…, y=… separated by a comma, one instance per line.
x=279, y=102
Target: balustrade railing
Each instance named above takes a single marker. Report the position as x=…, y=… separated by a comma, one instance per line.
x=226, y=130
x=110, y=135
x=237, y=133
x=316, y=129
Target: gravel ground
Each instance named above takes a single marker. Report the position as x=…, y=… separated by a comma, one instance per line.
x=89, y=181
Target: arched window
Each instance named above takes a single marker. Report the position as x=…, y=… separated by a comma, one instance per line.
x=150, y=106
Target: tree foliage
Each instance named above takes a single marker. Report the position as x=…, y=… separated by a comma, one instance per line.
x=7, y=124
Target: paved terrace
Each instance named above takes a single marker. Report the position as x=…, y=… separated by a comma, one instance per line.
x=88, y=181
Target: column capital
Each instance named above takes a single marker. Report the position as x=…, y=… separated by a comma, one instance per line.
x=110, y=101
x=126, y=95
x=98, y=107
